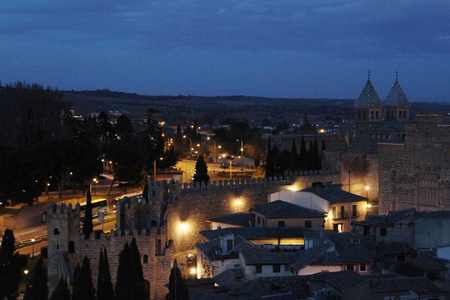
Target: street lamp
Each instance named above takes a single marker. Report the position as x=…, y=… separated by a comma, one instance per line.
x=190, y=144
x=242, y=147
x=90, y=186
x=154, y=168
x=32, y=240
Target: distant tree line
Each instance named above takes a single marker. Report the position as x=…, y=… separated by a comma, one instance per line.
x=306, y=160
x=42, y=145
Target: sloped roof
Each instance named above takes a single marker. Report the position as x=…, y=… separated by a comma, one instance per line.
x=241, y=219
x=419, y=285
x=282, y=209
x=262, y=256
x=368, y=97
x=231, y=279
x=396, y=96
x=339, y=280
x=334, y=194
x=209, y=247
x=258, y=233
x=288, y=287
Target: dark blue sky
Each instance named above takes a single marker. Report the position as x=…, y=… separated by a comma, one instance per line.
x=305, y=49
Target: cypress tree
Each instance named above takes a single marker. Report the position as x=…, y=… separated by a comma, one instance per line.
x=88, y=226
x=269, y=161
x=105, y=289
x=9, y=267
x=310, y=155
x=303, y=154
x=316, y=157
x=37, y=286
x=177, y=286
x=138, y=283
x=293, y=159
x=276, y=160
x=83, y=288
x=201, y=171
x=124, y=272
x=61, y=291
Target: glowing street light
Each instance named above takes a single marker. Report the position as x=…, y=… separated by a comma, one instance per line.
x=154, y=168
x=32, y=240
x=242, y=147
x=190, y=144
x=90, y=186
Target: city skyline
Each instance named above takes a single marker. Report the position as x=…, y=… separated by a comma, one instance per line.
x=294, y=50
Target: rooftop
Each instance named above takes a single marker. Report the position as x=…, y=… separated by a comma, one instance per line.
x=258, y=233
x=396, y=96
x=368, y=97
x=282, y=209
x=241, y=219
x=334, y=194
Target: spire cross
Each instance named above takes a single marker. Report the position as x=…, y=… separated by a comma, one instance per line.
x=396, y=75
x=368, y=73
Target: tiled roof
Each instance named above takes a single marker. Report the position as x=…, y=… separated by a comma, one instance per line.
x=282, y=209
x=419, y=285
x=396, y=96
x=334, y=194
x=368, y=97
x=338, y=249
x=429, y=263
x=433, y=214
x=241, y=219
x=386, y=126
x=258, y=233
x=208, y=248
x=231, y=279
x=291, y=287
x=262, y=256
x=339, y=280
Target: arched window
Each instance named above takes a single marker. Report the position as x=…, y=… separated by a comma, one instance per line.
x=153, y=224
x=404, y=114
x=399, y=114
x=71, y=247
x=364, y=114
x=145, y=259
x=371, y=114
x=158, y=247
x=359, y=114
x=393, y=174
x=56, y=231
x=376, y=114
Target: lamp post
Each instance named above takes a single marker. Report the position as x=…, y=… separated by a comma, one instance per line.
x=367, y=191
x=242, y=147
x=32, y=251
x=47, y=188
x=90, y=186
x=190, y=144
x=154, y=168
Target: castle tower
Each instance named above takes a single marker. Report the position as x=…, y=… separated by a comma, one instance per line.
x=368, y=111
x=63, y=231
x=396, y=105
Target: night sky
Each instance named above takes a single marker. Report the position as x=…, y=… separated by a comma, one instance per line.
x=298, y=48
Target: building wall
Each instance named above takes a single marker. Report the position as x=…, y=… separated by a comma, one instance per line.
x=309, y=270
x=416, y=173
x=316, y=223
x=347, y=219
x=431, y=232
x=267, y=271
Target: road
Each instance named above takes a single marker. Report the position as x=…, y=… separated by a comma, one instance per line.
x=215, y=171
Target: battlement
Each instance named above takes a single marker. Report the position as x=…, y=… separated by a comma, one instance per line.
x=63, y=209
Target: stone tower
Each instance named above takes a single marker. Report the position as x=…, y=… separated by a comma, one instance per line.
x=63, y=231
x=368, y=111
x=396, y=105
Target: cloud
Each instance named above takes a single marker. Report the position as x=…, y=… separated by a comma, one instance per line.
x=339, y=28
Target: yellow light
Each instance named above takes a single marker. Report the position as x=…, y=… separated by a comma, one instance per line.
x=367, y=187
x=184, y=136
x=198, y=145
x=25, y=272
x=193, y=271
x=183, y=226
x=292, y=188
x=33, y=240
x=208, y=138
x=322, y=130
x=369, y=206
x=330, y=216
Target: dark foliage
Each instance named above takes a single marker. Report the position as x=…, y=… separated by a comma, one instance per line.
x=201, y=171
x=37, y=286
x=105, y=289
x=9, y=267
x=177, y=285
x=88, y=226
x=83, y=288
x=61, y=291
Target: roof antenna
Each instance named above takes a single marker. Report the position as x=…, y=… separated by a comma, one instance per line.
x=396, y=75
x=368, y=75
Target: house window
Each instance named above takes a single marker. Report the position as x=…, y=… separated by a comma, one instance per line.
x=259, y=220
x=354, y=211
x=56, y=231
x=229, y=245
x=366, y=230
x=351, y=267
x=342, y=212
x=286, y=268
x=308, y=224
x=383, y=231
x=276, y=268
x=280, y=223
x=362, y=267
x=333, y=212
x=258, y=269
x=145, y=259
x=71, y=247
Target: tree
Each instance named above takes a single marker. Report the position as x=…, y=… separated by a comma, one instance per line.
x=177, y=285
x=37, y=286
x=9, y=267
x=269, y=161
x=201, y=171
x=61, y=291
x=303, y=155
x=105, y=290
x=293, y=159
x=130, y=281
x=88, y=226
x=83, y=288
